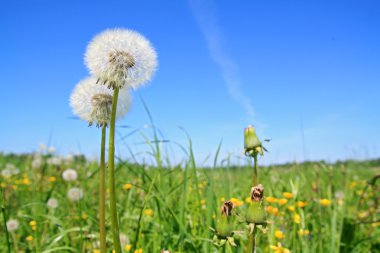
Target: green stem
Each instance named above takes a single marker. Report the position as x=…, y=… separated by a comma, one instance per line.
x=102, y=195
x=5, y=228
x=255, y=170
x=111, y=176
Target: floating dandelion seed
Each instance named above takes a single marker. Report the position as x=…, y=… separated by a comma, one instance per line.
x=69, y=175
x=52, y=203
x=12, y=225
x=120, y=57
x=75, y=194
x=92, y=102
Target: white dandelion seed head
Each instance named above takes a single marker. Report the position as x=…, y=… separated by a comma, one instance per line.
x=69, y=175
x=55, y=160
x=121, y=57
x=124, y=240
x=52, y=203
x=92, y=102
x=12, y=225
x=37, y=161
x=75, y=194
x=6, y=173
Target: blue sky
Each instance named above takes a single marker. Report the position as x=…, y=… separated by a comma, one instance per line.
x=291, y=68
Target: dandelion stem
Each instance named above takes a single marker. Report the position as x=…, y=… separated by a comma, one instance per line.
x=102, y=195
x=111, y=176
x=5, y=225
x=255, y=170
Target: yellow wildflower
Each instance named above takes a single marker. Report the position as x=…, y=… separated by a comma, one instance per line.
x=301, y=204
x=127, y=186
x=270, y=209
x=203, y=201
x=222, y=199
x=279, y=249
x=325, y=202
x=353, y=185
x=303, y=232
x=29, y=238
x=32, y=223
x=128, y=247
x=200, y=185
x=297, y=218
x=236, y=202
x=52, y=179
x=25, y=181
x=138, y=251
x=278, y=234
x=282, y=201
x=271, y=199
x=84, y=216
x=291, y=208
x=275, y=211
x=248, y=200
x=96, y=251
x=287, y=195
x=148, y=212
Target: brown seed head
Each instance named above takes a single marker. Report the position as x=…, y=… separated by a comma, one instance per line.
x=257, y=193
x=227, y=208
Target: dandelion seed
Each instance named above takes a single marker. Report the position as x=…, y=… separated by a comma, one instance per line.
x=52, y=203
x=93, y=102
x=120, y=57
x=12, y=225
x=75, y=194
x=69, y=175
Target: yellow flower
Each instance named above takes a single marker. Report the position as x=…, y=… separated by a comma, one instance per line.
x=248, y=200
x=32, y=223
x=3, y=185
x=353, y=185
x=14, y=187
x=287, y=195
x=25, y=181
x=275, y=211
x=52, y=179
x=291, y=208
x=138, y=251
x=303, y=232
x=84, y=216
x=236, y=202
x=325, y=202
x=359, y=192
x=278, y=234
x=375, y=224
x=279, y=249
x=29, y=238
x=128, y=247
x=222, y=199
x=297, y=218
x=301, y=204
x=271, y=199
x=148, y=212
x=282, y=201
x=96, y=251
x=200, y=185
x=203, y=201
x=270, y=209
x=127, y=186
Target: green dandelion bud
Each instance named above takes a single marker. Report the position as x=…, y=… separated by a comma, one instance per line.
x=256, y=211
x=252, y=144
x=224, y=228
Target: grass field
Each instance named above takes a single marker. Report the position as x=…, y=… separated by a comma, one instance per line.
x=311, y=207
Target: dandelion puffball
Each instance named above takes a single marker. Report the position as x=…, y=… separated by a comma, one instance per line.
x=120, y=57
x=12, y=225
x=75, y=194
x=92, y=102
x=69, y=175
x=52, y=203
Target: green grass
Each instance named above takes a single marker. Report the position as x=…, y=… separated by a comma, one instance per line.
x=174, y=208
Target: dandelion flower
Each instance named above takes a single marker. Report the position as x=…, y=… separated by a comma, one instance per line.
x=325, y=202
x=12, y=225
x=301, y=204
x=52, y=203
x=29, y=238
x=75, y=194
x=279, y=249
x=303, y=232
x=92, y=102
x=271, y=199
x=278, y=234
x=127, y=186
x=69, y=175
x=287, y=195
x=236, y=202
x=148, y=212
x=120, y=57
x=282, y=201
x=297, y=218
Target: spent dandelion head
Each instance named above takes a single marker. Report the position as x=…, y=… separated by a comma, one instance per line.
x=12, y=225
x=121, y=57
x=69, y=175
x=93, y=102
x=75, y=194
x=52, y=203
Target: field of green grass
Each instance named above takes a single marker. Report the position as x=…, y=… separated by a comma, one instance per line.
x=310, y=207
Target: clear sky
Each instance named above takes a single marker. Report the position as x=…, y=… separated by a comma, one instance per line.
x=291, y=68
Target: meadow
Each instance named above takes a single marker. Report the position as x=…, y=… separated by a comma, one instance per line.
x=310, y=207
